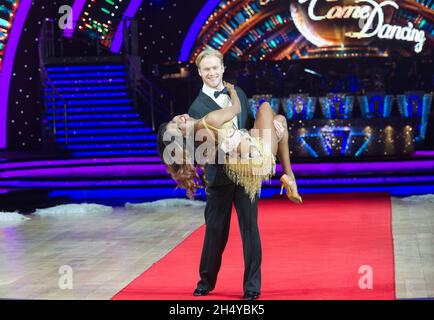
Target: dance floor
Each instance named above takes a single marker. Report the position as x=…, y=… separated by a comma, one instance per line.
x=331, y=247
x=326, y=248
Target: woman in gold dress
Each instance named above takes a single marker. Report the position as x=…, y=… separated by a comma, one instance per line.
x=249, y=156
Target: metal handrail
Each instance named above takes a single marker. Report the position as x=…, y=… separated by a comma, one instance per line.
x=150, y=94
x=140, y=87
x=46, y=80
x=148, y=91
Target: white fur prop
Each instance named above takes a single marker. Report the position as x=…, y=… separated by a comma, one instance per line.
x=7, y=218
x=420, y=198
x=71, y=210
x=166, y=203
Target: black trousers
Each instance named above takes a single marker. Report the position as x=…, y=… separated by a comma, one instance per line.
x=217, y=218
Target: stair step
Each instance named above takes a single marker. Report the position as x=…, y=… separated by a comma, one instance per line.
x=81, y=75
x=110, y=146
x=95, y=116
x=89, y=102
x=84, y=68
x=80, y=82
x=88, y=88
x=114, y=153
x=103, y=131
x=68, y=96
x=77, y=124
x=72, y=140
x=91, y=109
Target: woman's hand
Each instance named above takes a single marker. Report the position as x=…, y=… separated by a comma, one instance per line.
x=229, y=86
x=184, y=117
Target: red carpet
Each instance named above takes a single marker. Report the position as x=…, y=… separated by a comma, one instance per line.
x=310, y=251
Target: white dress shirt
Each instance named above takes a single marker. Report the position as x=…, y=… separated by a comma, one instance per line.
x=222, y=100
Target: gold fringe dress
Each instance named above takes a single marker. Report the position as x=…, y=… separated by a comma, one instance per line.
x=248, y=169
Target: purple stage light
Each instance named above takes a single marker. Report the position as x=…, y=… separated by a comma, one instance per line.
x=194, y=30
x=60, y=163
x=299, y=168
x=424, y=153
x=362, y=167
x=140, y=170
x=358, y=181
x=92, y=171
x=80, y=184
x=119, y=34
x=8, y=62
x=113, y=153
x=302, y=183
x=89, y=171
x=318, y=169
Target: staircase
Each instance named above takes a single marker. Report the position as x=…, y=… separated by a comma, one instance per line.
x=101, y=120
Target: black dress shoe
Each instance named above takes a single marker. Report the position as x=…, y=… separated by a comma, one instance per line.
x=200, y=292
x=251, y=295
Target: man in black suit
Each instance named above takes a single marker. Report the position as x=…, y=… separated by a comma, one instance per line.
x=222, y=192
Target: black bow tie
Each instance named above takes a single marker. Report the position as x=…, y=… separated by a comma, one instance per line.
x=217, y=93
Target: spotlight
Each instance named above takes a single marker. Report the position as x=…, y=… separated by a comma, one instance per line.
x=312, y=72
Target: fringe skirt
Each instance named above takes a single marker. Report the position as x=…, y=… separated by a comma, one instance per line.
x=251, y=172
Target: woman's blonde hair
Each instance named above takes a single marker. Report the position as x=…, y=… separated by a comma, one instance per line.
x=207, y=53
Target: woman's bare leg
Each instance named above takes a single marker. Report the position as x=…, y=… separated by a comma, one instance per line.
x=283, y=147
x=284, y=158
x=264, y=126
x=264, y=122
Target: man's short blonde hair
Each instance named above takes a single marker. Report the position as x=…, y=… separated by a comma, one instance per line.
x=207, y=53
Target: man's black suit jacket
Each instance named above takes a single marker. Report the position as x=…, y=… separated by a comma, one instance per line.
x=203, y=105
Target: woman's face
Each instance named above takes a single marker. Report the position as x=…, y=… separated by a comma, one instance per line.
x=178, y=123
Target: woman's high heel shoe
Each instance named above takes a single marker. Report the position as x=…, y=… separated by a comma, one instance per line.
x=285, y=182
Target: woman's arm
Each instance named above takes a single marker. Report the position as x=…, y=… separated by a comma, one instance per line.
x=217, y=118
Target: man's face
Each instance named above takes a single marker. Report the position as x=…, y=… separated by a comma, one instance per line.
x=211, y=71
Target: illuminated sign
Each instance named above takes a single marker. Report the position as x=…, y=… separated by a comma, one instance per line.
x=372, y=20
